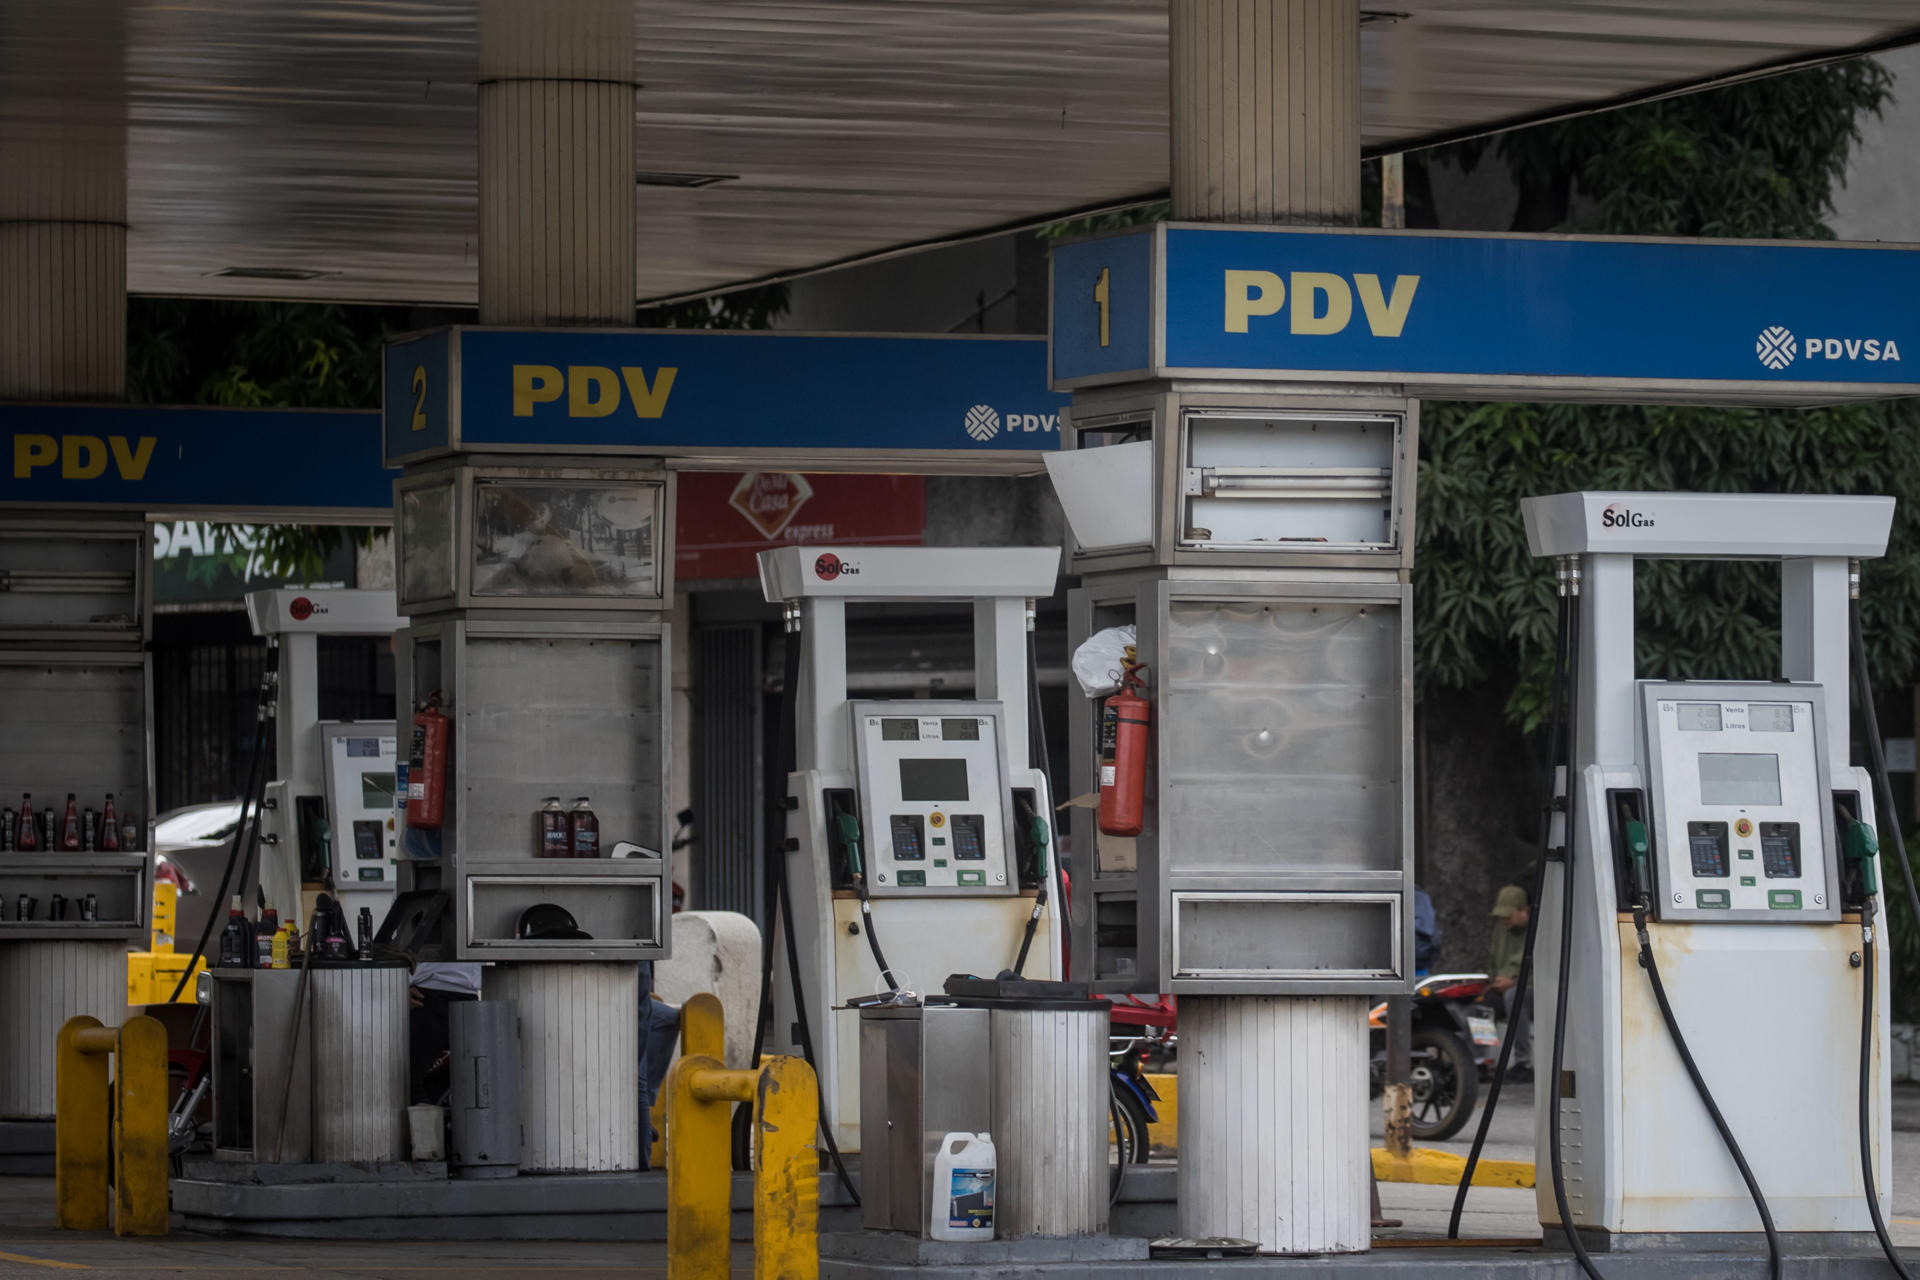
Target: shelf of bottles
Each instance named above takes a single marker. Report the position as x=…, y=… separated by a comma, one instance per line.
x=76, y=760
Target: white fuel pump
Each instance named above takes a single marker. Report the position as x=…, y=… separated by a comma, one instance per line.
x=920, y=831
x=330, y=813
x=1701, y=961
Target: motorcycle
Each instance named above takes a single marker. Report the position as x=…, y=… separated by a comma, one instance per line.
x=1455, y=1040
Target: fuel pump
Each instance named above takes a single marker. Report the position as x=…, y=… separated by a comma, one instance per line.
x=919, y=837
x=331, y=814
x=1708, y=842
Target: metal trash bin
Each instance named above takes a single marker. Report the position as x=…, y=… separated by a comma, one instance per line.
x=1050, y=1087
x=486, y=1088
x=359, y=1057
x=923, y=1075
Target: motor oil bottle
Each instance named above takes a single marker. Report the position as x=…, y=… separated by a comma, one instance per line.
x=282, y=947
x=28, y=839
x=366, y=934
x=6, y=830
x=236, y=940
x=583, y=831
x=550, y=830
x=963, y=1182
x=109, y=827
x=89, y=830
x=70, y=826
x=263, y=937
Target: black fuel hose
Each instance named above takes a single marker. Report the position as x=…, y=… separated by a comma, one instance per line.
x=251, y=795
x=780, y=912
x=1517, y=998
x=1774, y=1260
x=1890, y=823
x=1040, y=761
x=1568, y=848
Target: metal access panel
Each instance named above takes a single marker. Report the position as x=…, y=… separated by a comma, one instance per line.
x=587, y=693
x=1221, y=476
x=69, y=582
x=1275, y=855
x=361, y=768
x=934, y=798
x=1743, y=818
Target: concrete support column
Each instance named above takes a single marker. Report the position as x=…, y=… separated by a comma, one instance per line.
x=63, y=228
x=556, y=162
x=1265, y=98
x=557, y=248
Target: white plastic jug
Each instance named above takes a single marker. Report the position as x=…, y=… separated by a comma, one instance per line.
x=963, y=1178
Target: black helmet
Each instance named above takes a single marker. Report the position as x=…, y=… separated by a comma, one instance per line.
x=544, y=920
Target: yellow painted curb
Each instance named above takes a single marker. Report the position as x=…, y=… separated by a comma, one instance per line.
x=1443, y=1168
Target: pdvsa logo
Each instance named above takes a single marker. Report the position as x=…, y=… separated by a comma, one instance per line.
x=301, y=609
x=1776, y=348
x=1619, y=516
x=829, y=567
x=983, y=422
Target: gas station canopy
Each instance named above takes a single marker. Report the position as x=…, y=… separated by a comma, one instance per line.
x=325, y=149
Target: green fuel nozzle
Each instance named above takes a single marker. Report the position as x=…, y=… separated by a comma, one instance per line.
x=1041, y=835
x=1638, y=848
x=1859, y=847
x=849, y=827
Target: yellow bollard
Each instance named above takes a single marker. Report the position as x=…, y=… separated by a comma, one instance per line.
x=786, y=1162
x=138, y=1112
x=140, y=1098
x=703, y=1032
x=786, y=1178
x=80, y=1125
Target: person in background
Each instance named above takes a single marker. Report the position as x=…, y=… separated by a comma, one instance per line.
x=659, y=1035
x=1426, y=934
x=435, y=987
x=1510, y=915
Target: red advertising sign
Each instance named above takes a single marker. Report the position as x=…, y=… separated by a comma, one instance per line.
x=726, y=518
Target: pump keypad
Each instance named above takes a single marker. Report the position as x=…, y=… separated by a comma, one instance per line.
x=1780, y=850
x=1707, y=844
x=908, y=842
x=969, y=837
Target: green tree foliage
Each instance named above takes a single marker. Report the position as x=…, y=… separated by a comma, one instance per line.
x=1760, y=159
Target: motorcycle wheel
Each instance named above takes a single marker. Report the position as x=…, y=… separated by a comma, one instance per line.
x=1445, y=1084
x=1134, y=1117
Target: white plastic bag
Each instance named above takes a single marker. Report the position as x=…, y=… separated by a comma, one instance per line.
x=1098, y=663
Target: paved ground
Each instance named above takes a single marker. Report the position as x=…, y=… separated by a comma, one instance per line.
x=29, y=1248
x=1502, y=1213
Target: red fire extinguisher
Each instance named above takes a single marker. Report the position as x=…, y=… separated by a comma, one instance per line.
x=427, y=764
x=1123, y=758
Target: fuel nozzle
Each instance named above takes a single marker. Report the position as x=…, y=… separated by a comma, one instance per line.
x=1859, y=847
x=848, y=826
x=1638, y=847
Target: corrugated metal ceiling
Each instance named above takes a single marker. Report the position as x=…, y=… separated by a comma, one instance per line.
x=337, y=136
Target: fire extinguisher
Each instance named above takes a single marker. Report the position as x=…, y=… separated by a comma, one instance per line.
x=427, y=764
x=1123, y=758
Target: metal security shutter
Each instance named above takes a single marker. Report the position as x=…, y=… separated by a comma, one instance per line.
x=730, y=816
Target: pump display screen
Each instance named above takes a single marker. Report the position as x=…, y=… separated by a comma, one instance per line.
x=1730, y=779
x=933, y=781
x=1770, y=717
x=899, y=729
x=960, y=730
x=376, y=790
x=1698, y=717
